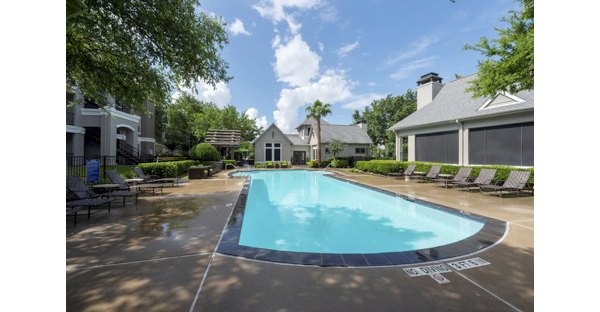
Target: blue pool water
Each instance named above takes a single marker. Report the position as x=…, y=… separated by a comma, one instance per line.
x=306, y=211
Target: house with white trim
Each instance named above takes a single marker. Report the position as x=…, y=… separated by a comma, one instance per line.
x=450, y=126
x=113, y=130
x=274, y=145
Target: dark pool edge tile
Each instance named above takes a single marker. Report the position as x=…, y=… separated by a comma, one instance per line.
x=492, y=231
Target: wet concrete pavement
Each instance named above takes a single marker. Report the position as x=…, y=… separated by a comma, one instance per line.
x=156, y=258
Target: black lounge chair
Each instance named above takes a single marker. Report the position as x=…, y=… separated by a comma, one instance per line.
x=408, y=172
x=485, y=177
x=461, y=176
x=151, y=179
x=115, y=178
x=516, y=181
x=81, y=197
x=76, y=186
x=432, y=174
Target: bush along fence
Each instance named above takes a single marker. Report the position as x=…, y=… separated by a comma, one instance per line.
x=386, y=166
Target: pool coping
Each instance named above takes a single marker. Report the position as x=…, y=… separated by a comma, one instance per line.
x=493, y=230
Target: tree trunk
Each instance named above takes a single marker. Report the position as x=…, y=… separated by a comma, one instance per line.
x=319, y=141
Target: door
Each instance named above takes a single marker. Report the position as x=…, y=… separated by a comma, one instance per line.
x=299, y=157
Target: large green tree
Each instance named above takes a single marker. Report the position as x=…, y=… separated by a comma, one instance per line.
x=381, y=114
x=509, y=58
x=188, y=121
x=317, y=111
x=139, y=50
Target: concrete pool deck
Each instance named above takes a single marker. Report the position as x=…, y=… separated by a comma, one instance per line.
x=160, y=257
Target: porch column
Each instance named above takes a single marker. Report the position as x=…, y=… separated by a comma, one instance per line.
x=411, y=148
x=78, y=144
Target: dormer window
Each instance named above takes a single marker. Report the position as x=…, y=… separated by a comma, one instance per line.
x=501, y=99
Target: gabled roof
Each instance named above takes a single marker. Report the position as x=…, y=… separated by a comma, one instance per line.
x=296, y=140
x=274, y=127
x=453, y=103
x=311, y=121
x=345, y=133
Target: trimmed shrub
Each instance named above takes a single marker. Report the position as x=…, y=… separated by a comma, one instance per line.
x=312, y=163
x=164, y=169
x=262, y=165
x=339, y=163
x=386, y=166
x=205, y=152
x=160, y=170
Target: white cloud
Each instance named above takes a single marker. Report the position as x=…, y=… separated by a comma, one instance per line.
x=296, y=64
x=408, y=69
x=321, y=46
x=328, y=13
x=371, y=84
x=331, y=87
x=275, y=10
x=362, y=100
x=237, y=28
x=261, y=121
x=347, y=48
x=220, y=94
x=415, y=48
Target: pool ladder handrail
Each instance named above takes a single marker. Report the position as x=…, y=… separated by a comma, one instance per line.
x=326, y=167
x=234, y=167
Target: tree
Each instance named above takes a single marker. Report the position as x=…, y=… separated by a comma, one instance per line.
x=180, y=122
x=188, y=121
x=335, y=147
x=381, y=114
x=509, y=63
x=356, y=117
x=317, y=111
x=141, y=50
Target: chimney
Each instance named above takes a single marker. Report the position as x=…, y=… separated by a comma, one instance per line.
x=362, y=124
x=427, y=88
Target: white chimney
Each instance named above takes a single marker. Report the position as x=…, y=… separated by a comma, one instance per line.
x=362, y=124
x=427, y=88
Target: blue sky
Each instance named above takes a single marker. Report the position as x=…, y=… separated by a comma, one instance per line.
x=285, y=54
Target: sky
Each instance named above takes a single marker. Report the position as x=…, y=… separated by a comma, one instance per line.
x=285, y=54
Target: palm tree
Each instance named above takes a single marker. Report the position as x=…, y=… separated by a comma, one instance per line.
x=317, y=111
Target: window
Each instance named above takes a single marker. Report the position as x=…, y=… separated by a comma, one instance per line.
x=502, y=145
x=268, y=151
x=437, y=147
x=327, y=151
x=272, y=151
x=360, y=150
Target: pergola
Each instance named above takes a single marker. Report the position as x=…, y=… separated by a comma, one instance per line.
x=224, y=139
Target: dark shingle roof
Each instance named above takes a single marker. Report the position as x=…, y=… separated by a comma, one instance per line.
x=311, y=121
x=296, y=140
x=344, y=133
x=452, y=103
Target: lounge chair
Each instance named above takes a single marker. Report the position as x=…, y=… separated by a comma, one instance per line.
x=461, y=176
x=269, y=164
x=81, y=191
x=115, y=178
x=81, y=197
x=485, y=177
x=152, y=179
x=408, y=172
x=432, y=174
x=284, y=164
x=516, y=181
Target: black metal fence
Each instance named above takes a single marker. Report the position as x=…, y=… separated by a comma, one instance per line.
x=77, y=165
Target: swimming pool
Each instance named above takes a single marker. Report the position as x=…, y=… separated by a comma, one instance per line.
x=301, y=216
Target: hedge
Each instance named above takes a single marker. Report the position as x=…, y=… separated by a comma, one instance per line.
x=169, y=169
x=313, y=163
x=386, y=166
x=339, y=163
